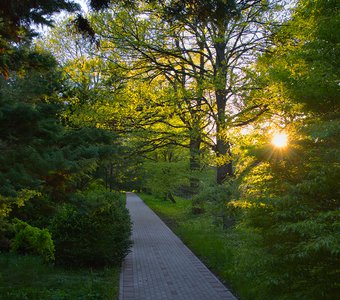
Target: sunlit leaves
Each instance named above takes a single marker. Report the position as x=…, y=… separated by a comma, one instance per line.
x=306, y=52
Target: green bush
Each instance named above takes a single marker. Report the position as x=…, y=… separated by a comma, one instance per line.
x=217, y=196
x=93, y=231
x=32, y=240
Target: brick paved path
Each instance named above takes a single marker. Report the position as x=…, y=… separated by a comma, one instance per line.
x=160, y=266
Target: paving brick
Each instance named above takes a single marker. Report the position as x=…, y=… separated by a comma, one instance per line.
x=160, y=266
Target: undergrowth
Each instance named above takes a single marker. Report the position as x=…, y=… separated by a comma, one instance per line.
x=28, y=277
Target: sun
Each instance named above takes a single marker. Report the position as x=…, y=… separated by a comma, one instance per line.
x=280, y=140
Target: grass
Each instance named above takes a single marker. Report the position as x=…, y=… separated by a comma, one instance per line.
x=27, y=277
x=227, y=252
x=171, y=212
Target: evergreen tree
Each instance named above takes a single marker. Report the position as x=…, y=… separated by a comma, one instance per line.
x=292, y=193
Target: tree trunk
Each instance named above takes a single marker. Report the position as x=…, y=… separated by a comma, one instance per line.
x=195, y=161
x=170, y=197
x=196, y=130
x=224, y=168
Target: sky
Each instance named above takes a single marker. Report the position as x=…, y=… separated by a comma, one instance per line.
x=83, y=4
x=42, y=29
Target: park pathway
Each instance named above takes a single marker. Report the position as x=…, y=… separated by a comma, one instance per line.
x=160, y=266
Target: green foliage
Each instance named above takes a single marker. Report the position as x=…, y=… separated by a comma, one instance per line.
x=305, y=60
x=32, y=240
x=29, y=129
x=38, y=152
x=92, y=231
x=290, y=196
x=80, y=153
x=293, y=203
x=16, y=18
x=164, y=177
x=6, y=233
x=214, y=193
x=28, y=277
x=43, y=162
x=6, y=203
x=38, y=211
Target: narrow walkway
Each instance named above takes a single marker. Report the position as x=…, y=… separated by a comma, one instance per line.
x=160, y=266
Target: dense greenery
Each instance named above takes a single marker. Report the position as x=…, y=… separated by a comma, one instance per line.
x=294, y=206
x=174, y=98
x=93, y=230
x=51, y=167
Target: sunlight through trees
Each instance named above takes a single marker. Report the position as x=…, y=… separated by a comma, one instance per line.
x=230, y=106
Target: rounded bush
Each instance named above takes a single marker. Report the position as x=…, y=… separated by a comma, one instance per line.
x=93, y=231
x=32, y=240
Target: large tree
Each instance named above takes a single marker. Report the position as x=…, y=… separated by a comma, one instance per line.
x=200, y=44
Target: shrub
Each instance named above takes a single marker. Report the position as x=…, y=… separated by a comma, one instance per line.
x=32, y=240
x=218, y=196
x=93, y=231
